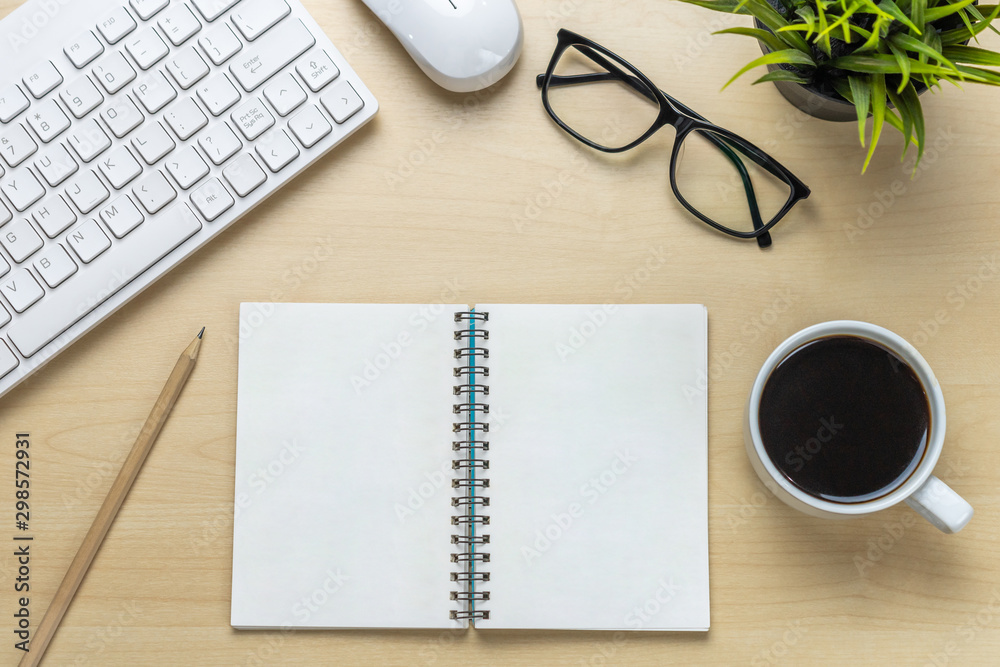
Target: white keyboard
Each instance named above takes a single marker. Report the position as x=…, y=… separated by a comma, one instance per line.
x=132, y=134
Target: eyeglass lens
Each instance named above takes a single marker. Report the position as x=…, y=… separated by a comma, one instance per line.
x=603, y=100
x=597, y=104
x=713, y=172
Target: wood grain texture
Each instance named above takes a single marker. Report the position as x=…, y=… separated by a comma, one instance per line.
x=112, y=503
x=423, y=205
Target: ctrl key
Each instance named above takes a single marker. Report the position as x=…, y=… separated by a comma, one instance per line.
x=244, y=175
x=8, y=360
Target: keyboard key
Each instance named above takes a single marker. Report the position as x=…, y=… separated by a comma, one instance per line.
x=42, y=78
x=86, y=191
x=8, y=361
x=122, y=117
x=88, y=140
x=342, y=101
x=114, y=72
x=20, y=240
x=213, y=9
x=152, y=142
x=317, y=70
x=218, y=94
x=178, y=24
x=121, y=216
x=110, y=272
x=23, y=189
x=187, y=67
x=147, y=8
x=5, y=216
x=147, y=47
x=185, y=118
x=119, y=167
x=12, y=102
x=253, y=17
x=219, y=143
x=220, y=43
x=56, y=165
x=48, y=120
x=252, y=118
x=21, y=290
x=260, y=61
x=284, y=94
x=117, y=24
x=83, y=49
x=276, y=150
x=244, y=175
x=4, y=267
x=54, y=216
x=309, y=126
x=212, y=199
x=55, y=265
x=88, y=241
x=154, y=92
x=16, y=145
x=81, y=96
x=154, y=192
x=187, y=167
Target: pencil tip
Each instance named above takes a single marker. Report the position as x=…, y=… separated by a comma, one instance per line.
x=201, y=332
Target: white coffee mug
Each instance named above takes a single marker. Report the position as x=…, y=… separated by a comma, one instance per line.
x=929, y=496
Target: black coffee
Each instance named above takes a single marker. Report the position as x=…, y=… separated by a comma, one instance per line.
x=844, y=419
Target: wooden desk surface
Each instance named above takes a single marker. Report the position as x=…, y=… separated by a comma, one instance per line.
x=478, y=197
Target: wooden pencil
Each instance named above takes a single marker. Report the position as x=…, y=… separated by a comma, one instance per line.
x=116, y=495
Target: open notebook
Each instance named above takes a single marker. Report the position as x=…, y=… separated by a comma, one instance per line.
x=513, y=466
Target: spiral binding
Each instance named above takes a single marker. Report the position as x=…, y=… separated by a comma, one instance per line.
x=470, y=459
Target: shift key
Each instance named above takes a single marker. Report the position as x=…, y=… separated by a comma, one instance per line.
x=265, y=57
x=73, y=300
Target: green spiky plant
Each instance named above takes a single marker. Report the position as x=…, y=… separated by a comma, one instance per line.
x=876, y=55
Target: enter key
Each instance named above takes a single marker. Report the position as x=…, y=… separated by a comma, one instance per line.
x=279, y=46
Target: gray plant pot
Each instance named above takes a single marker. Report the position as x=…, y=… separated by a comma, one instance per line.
x=810, y=101
x=814, y=103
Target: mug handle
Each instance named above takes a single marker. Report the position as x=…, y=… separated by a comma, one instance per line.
x=939, y=504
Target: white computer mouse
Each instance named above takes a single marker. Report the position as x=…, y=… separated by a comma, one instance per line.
x=462, y=45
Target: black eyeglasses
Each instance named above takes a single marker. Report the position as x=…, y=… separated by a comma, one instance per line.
x=718, y=176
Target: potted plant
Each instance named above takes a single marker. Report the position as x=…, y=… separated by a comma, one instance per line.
x=846, y=59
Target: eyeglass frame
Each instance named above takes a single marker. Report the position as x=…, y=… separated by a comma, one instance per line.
x=684, y=121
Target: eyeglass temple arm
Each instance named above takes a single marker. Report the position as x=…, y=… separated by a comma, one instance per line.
x=642, y=89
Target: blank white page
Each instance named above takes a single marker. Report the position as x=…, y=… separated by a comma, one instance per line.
x=343, y=467
x=598, y=467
